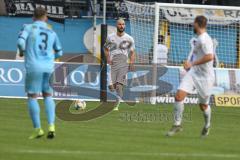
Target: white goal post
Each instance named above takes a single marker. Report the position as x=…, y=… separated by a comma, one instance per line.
x=171, y=25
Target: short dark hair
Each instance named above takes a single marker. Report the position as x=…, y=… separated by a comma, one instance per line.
x=201, y=21
x=160, y=38
x=39, y=12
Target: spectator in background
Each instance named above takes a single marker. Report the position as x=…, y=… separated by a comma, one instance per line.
x=10, y=7
x=162, y=51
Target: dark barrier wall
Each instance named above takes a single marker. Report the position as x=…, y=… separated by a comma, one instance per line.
x=231, y=2
x=113, y=9
x=209, y=2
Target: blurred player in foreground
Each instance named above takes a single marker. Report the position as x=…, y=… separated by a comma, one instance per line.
x=200, y=76
x=40, y=46
x=117, y=48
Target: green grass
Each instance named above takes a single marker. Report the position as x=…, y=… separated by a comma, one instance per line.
x=115, y=137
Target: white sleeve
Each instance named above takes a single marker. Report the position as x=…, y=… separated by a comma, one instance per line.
x=207, y=46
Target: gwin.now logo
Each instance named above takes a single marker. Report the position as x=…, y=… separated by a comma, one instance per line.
x=166, y=99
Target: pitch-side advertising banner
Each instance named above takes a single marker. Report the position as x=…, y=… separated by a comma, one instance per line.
x=82, y=81
x=228, y=100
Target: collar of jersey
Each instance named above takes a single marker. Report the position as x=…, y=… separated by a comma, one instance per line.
x=41, y=23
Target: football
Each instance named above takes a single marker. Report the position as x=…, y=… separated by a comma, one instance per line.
x=79, y=104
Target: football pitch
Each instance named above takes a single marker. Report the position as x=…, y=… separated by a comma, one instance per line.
x=131, y=133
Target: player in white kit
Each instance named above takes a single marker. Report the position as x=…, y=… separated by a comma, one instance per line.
x=200, y=76
x=119, y=47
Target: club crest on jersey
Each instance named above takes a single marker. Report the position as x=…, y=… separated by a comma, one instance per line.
x=125, y=44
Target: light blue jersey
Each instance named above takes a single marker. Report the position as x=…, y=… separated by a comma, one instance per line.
x=40, y=46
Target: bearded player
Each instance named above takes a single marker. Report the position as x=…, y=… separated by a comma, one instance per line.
x=118, y=47
x=200, y=76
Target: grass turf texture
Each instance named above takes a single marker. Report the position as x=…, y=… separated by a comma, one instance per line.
x=120, y=137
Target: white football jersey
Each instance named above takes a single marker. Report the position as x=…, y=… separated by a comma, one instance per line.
x=119, y=45
x=203, y=46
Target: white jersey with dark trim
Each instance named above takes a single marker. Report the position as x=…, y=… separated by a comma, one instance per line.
x=119, y=45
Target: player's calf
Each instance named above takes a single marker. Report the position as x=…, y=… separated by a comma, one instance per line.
x=34, y=111
x=50, y=112
x=179, y=107
x=207, y=118
x=119, y=90
x=178, y=113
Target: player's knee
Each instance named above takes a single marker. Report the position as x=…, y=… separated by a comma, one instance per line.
x=203, y=107
x=32, y=95
x=179, y=97
x=45, y=94
x=118, y=86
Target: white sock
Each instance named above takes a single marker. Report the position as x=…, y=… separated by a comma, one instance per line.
x=207, y=116
x=178, y=113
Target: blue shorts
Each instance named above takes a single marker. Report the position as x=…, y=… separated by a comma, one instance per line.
x=37, y=82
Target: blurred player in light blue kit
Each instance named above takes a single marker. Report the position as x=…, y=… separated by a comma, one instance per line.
x=40, y=46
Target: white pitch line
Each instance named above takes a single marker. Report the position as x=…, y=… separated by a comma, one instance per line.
x=163, y=154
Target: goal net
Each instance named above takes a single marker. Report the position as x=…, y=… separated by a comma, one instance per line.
x=163, y=34
x=170, y=26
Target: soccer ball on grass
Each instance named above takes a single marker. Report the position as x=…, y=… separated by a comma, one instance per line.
x=79, y=104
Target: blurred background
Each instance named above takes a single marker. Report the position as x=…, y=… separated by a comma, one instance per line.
x=73, y=20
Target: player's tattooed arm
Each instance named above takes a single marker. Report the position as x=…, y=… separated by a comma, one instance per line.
x=107, y=54
x=107, y=47
x=132, y=55
x=132, y=60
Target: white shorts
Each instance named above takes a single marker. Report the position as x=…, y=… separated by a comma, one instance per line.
x=202, y=86
x=117, y=75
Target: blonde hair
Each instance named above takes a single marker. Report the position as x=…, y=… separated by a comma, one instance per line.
x=39, y=13
x=120, y=20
